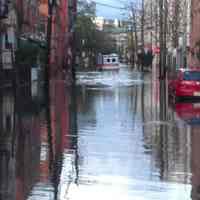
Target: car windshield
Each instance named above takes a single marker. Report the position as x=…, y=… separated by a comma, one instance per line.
x=191, y=76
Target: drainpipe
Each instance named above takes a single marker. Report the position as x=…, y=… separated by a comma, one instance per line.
x=48, y=40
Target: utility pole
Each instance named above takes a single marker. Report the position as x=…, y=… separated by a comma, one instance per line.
x=151, y=30
x=132, y=48
x=161, y=37
x=133, y=45
x=135, y=30
x=163, y=12
x=51, y=4
x=163, y=34
x=185, y=34
x=142, y=32
x=47, y=69
x=48, y=40
x=73, y=43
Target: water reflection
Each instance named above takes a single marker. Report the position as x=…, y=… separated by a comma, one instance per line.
x=113, y=136
x=34, y=135
x=129, y=141
x=187, y=113
x=167, y=139
x=195, y=163
x=7, y=159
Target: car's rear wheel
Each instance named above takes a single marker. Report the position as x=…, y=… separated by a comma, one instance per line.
x=177, y=99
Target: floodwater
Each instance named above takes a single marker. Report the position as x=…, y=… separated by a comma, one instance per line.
x=113, y=136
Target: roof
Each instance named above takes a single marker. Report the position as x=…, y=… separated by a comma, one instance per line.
x=112, y=54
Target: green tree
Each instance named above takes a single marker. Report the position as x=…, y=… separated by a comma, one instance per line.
x=89, y=40
x=105, y=44
x=85, y=40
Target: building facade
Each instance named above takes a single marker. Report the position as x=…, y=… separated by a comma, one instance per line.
x=23, y=37
x=8, y=45
x=195, y=37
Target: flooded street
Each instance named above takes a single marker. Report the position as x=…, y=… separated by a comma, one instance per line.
x=107, y=138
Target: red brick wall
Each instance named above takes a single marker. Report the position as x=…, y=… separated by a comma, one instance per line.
x=195, y=32
x=59, y=42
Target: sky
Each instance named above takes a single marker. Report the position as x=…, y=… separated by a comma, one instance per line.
x=108, y=12
x=113, y=13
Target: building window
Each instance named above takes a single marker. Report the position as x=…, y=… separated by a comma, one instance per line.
x=3, y=9
x=113, y=60
x=8, y=123
x=8, y=45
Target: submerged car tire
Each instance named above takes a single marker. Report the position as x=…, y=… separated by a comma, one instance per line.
x=177, y=99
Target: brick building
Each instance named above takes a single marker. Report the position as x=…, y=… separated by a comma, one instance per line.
x=7, y=39
x=23, y=37
x=195, y=36
x=63, y=17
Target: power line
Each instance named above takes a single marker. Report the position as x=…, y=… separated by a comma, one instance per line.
x=108, y=5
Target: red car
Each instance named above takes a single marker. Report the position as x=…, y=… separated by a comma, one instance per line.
x=185, y=83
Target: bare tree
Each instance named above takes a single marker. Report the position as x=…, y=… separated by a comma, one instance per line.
x=164, y=20
x=175, y=22
x=163, y=12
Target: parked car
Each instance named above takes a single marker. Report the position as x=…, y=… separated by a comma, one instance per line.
x=185, y=83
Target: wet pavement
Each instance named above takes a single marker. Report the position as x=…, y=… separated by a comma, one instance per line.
x=113, y=136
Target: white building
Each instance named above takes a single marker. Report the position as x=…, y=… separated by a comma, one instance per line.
x=99, y=21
